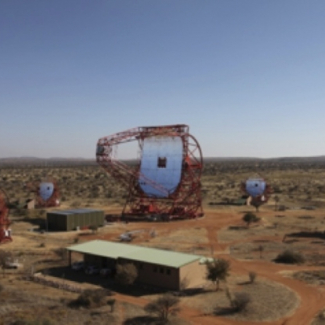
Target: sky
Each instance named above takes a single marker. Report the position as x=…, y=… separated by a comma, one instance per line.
x=248, y=77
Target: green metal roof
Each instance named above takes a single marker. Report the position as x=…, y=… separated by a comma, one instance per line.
x=133, y=252
x=74, y=211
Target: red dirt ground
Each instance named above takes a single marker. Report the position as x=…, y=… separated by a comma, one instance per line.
x=312, y=298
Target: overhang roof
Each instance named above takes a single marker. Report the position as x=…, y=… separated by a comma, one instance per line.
x=73, y=211
x=132, y=252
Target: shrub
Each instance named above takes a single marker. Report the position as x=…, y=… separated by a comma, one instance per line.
x=321, y=315
x=249, y=218
x=90, y=298
x=163, y=306
x=290, y=257
x=240, y=301
x=61, y=253
x=126, y=273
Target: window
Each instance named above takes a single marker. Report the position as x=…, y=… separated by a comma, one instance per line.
x=162, y=162
x=168, y=271
x=161, y=270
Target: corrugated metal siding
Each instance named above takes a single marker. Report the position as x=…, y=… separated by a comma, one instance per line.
x=71, y=219
x=85, y=219
x=57, y=222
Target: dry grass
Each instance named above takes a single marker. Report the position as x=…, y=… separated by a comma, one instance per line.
x=137, y=316
x=270, y=301
x=188, y=240
x=319, y=319
x=311, y=277
x=29, y=301
x=296, y=185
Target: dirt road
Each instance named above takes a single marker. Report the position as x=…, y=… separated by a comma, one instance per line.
x=312, y=298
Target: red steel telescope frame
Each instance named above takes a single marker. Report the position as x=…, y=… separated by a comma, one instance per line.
x=184, y=202
x=53, y=201
x=260, y=199
x=5, y=235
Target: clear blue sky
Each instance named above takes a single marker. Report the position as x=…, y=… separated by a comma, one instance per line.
x=247, y=76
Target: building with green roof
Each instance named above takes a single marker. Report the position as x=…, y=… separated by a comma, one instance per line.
x=157, y=267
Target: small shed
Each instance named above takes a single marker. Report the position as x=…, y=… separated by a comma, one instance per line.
x=66, y=220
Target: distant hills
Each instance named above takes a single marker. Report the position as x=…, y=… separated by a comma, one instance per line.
x=35, y=161
x=59, y=161
x=277, y=159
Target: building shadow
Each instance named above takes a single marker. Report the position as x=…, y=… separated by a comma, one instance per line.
x=141, y=320
x=136, y=289
x=308, y=234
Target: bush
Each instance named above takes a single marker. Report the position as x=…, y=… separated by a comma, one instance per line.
x=61, y=253
x=321, y=315
x=90, y=298
x=126, y=274
x=163, y=307
x=249, y=218
x=290, y=257
x=240, y=301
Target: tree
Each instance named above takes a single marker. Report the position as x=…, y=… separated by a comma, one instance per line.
x=126, y=273
x=250, y=217
x=255, y=204
x=276, y=200
x=217, y=270
x=261, y=249
x=163, y=307
x=252, y=276
x=111, y=303
x=4, y=259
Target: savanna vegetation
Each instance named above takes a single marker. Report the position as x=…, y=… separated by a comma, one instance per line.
x=290, y=228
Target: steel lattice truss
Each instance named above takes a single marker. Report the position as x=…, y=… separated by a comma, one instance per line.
x=5, y=232
x=184, y=202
